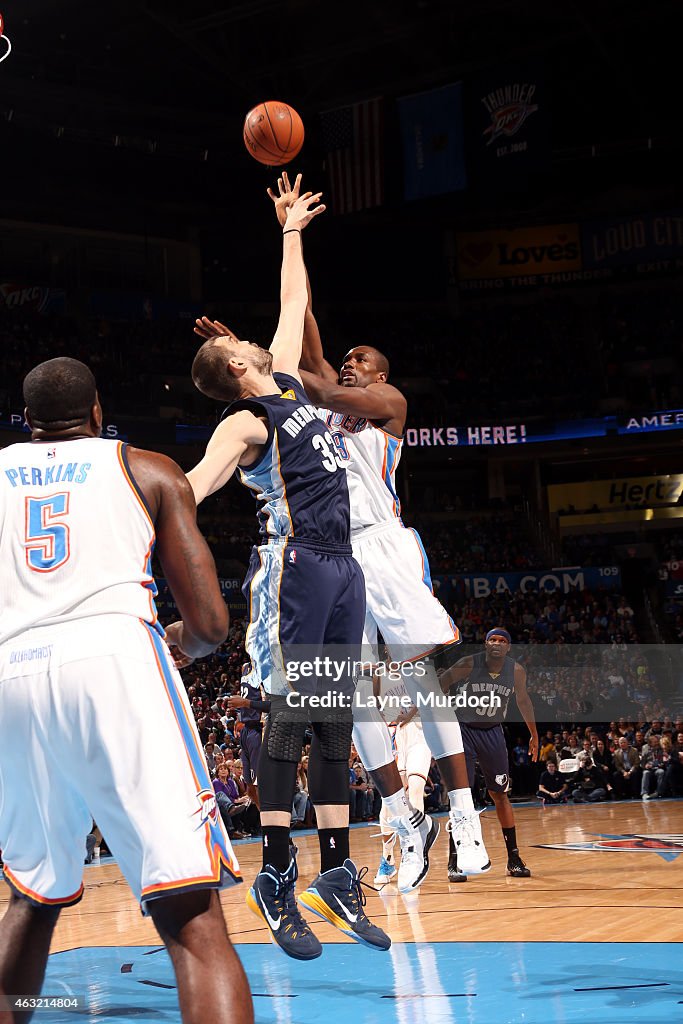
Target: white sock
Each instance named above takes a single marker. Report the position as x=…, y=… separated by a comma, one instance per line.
x=388, y=848
x=396, y=805
x=461, y=800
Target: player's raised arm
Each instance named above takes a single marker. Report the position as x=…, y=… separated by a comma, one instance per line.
x=375, y=402
x=184, y=554
x=287, y=343
x=526, y=707
x=229, y=443
x=312, y=357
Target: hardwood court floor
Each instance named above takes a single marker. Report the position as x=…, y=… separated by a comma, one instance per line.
x=574, y=895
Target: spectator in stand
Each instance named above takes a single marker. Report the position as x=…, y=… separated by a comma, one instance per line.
x=654, y=768
x=674, y=769
x=589, y=784
x=361, y=794
x=603, y=761
x=626, y=778
x=209, y=748
x=552, y=789
x=300, y=803
x=228, y=806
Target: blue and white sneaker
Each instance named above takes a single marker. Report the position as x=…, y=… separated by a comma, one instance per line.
x=385, y=872
x=337, y=897
x=271, y=898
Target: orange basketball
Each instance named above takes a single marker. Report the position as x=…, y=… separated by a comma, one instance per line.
x=273, y=133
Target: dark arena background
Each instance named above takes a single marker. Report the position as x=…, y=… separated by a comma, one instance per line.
x=505, y=221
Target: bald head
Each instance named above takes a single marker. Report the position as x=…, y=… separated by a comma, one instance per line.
x=59, y=394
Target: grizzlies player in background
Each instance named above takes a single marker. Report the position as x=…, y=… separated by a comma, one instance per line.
x=89, y=694
x=492, y=672
x=305, y=591
x=365, y=417
x=250, y=705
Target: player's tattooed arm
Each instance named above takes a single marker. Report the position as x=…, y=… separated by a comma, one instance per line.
x=232, y=442
x=184, y=554
x=456, y=673
x=376, y=402
x=527, y=709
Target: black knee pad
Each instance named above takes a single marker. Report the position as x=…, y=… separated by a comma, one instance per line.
x=328, y=764
x=334, y=737
x=284, y=737
x=277, y=775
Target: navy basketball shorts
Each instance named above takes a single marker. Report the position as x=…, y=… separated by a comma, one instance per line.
x=250, y=745
x=488, y=747
x=306, y=602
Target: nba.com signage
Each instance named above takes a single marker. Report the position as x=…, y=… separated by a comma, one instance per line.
x=622, y=493
x=537, y=582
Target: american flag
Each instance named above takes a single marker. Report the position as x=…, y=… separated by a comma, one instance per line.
x=353, y=137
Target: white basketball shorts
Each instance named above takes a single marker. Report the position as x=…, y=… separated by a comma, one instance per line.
x=400, y=603
x=95, y=723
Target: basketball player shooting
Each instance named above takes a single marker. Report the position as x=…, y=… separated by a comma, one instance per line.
x=89, y=693
x=365, y=417
x=305, y=590
x=493, y=672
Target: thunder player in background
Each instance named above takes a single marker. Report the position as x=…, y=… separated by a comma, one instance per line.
x=366, y=417
x=305, y=593
x=250, y=705
x=492, y=672
x=89, y=694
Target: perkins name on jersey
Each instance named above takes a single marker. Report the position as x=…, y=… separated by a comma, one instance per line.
x=63, y=472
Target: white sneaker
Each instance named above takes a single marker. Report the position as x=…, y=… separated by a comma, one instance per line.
x=469, y=843
x=417, y=834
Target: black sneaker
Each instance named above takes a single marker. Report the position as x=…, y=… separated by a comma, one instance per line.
x=337, y=897
x=454, y=873
x=271, y=897
x=516, y=867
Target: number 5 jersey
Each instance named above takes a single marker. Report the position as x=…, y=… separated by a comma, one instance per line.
x=75, y=536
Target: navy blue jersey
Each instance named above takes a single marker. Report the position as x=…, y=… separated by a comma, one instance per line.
x=482, y=681
x=252, y=693
x=299, y=480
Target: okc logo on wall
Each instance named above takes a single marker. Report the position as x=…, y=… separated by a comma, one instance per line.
x=666, y=845
x=208, y=808
x=4, y=51
x=509, y=107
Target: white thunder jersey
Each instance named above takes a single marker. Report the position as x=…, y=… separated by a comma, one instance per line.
x=400, y=603
x=372, y=457
x=75, y=536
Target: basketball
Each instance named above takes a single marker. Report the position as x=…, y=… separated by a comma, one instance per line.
x=273, y=133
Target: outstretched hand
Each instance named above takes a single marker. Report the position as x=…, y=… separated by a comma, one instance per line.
x=206, y=329
x=286, y=197
x=302, y=212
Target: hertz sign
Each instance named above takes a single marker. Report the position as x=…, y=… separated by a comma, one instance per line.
x=611, y=495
